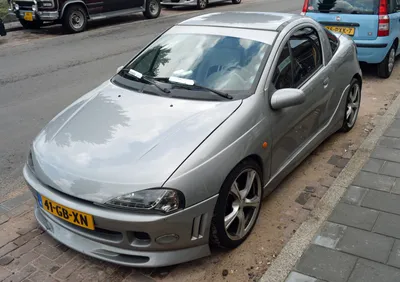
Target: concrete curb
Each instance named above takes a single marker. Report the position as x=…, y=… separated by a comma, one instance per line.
x=300, y=241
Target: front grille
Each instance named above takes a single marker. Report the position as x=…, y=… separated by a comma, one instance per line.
x=25, y=5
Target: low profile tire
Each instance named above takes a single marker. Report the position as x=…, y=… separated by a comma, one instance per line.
x=31, y=25
x=385, y=68
x=236, y=1
x=75, y=19
x=201, y=4
x=238, y=206
x=353, y=103
x=153, y=9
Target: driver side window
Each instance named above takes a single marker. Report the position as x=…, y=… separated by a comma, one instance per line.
x=300, y=58
x=283, y=76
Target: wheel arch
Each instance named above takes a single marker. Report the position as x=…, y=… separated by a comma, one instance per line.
x=396, y=42
x=359, y=78
x=74, y=2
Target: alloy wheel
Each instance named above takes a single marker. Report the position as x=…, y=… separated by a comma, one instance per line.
x=243, y=203
x=353, y=105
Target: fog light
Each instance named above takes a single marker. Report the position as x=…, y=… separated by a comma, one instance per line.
x=167, y=239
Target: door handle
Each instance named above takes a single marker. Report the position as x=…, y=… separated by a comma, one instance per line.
x=326, y=82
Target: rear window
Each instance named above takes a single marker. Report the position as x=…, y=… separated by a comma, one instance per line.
x=344, y=6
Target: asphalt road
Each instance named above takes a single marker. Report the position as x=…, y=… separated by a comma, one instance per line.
x=40, y=77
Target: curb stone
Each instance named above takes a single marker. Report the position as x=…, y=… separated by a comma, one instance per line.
x=293, y=250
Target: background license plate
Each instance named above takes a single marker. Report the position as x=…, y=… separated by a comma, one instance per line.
x=73, y=216
x=28, y=16
x=345, y=30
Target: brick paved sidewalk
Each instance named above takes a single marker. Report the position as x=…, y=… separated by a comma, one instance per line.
x=361, y=239
x=28, y=254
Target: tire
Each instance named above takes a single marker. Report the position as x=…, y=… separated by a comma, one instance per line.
x=201, y=4
x=153, y=9
x=385, y=68
x=228, y=204
x=236, y=1
x=350, y=118
x=31, y=25
x=75, y=19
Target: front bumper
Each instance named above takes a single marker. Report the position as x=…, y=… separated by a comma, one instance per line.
x=37, y=15
x=114, y=238
x=179, y=3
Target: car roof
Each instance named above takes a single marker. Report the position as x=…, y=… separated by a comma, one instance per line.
x=247, y=20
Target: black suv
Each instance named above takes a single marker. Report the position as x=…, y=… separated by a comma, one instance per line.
x=74, y=14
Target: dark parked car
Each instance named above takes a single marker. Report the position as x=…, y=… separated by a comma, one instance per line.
x=2, y=29
x=74, y=14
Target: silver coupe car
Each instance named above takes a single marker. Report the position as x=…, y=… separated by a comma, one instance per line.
x=177, y=150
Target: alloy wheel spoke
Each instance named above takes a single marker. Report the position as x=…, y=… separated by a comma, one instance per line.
x=354, y=105
x=235, y=190
x=353, y=95
x=249, y=183
x=242, y=223
x=254, y=202
x=348, y=113
x=231, y=217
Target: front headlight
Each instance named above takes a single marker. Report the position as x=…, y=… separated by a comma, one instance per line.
x=161, y=200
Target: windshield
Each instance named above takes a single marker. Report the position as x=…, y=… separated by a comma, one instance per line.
x=344, y=6
x=223, y=63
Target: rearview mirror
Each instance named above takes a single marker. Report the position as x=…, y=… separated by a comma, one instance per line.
x=119, y=69
x=287, y=97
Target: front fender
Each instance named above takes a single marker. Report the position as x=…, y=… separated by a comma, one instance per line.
x=70, y=2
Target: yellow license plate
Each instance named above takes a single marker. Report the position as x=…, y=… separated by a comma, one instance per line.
x=73, y=216
x=344, y=30
x=28, y=16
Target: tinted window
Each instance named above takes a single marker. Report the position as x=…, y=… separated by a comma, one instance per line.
x=307, y=54
x=228, y=64
x=333, y=41
x=283, y=72
x=344, y=6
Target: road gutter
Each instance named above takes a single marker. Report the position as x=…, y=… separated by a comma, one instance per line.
x=293, y=250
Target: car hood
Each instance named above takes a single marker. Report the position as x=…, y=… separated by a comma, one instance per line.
x=114, y=141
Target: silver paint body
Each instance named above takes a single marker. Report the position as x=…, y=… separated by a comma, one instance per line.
x=103, y=146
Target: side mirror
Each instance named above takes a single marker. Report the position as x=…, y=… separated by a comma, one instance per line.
x=119, y=69
x=287, y=97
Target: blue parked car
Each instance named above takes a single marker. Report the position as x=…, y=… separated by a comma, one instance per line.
x=374, y=25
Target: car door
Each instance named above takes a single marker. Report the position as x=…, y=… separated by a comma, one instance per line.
x=299, y=65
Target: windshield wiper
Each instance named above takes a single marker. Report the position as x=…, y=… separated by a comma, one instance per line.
x=190, y=84
x=142, y=78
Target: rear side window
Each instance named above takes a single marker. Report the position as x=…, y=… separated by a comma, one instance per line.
x=305, y=47
x=333, y=41
x=344, y=6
